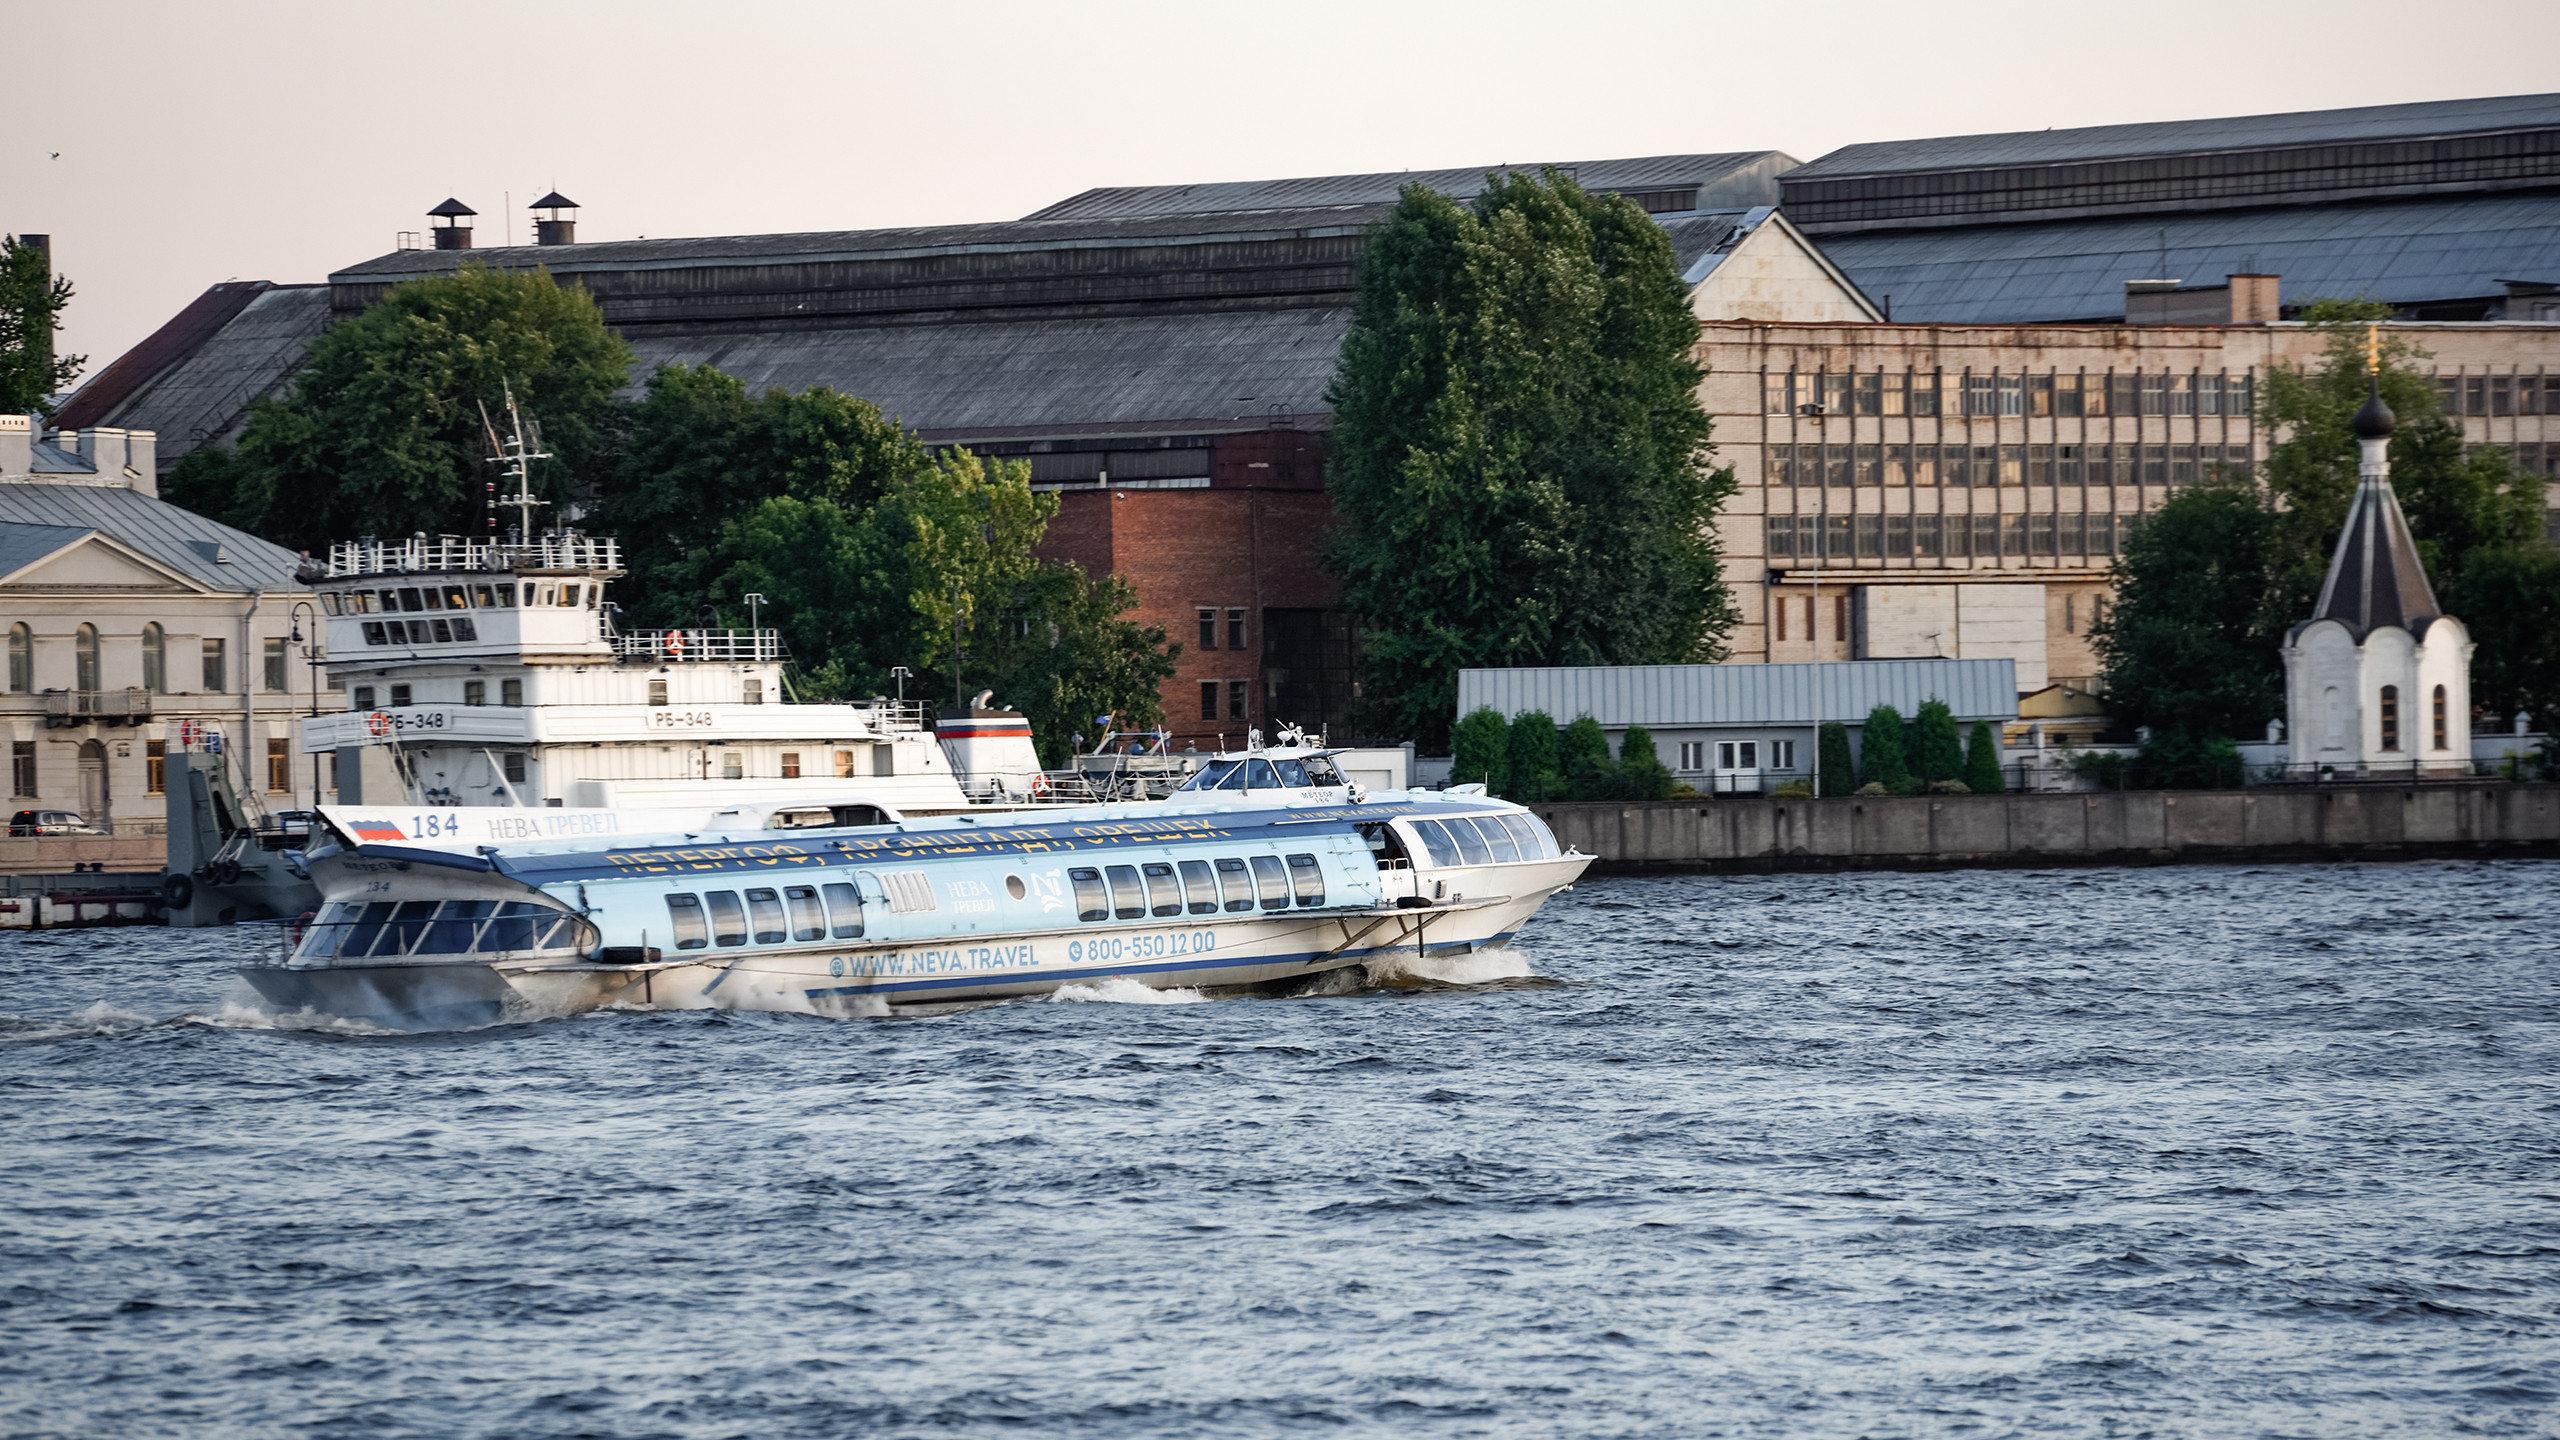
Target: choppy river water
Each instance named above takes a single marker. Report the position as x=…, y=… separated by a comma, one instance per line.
x=2186, y=1152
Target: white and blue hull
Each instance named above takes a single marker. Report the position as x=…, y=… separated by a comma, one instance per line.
x=872, y=921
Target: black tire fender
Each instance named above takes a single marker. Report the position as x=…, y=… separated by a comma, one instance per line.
x=177, y=890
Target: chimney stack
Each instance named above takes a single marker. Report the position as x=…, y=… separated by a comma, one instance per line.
x=452, y=233
x=17, y=447
x=2254, y=300
x=551, y=229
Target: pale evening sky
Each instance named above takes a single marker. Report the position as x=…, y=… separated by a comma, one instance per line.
x=167, y=146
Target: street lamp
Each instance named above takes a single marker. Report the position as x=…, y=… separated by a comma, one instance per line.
x=902, y=675
x=311, y=652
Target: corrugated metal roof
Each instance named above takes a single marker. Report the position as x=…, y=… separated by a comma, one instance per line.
x=1650, y=172
x=201, y=319
x=2403, y=251
x=1671, y=696
x=180, y=539
x=200, y=397
x=1216, y=366
x=2101, y=142
x=24, y=545
x=836, y=245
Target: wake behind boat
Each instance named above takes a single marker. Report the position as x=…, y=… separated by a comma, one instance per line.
x=852, y=919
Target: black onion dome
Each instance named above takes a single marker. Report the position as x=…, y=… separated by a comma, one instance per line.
x=2373, y=418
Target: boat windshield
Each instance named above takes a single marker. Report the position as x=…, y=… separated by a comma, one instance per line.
x=390, y=930
x=1212, y=773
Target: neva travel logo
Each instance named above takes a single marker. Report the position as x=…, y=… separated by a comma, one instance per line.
x=378, y=830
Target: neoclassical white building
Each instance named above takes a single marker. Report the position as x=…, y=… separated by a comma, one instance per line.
x=2378, y=680
x=132, y=625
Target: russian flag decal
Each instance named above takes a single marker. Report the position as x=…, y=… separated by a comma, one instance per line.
x=378, y=830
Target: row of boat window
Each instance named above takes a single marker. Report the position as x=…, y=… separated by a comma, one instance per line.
x=767, y=916
x=569, y=596
x=1264, y=774
x=1486, y=839
x=385, y=928
x=1200, y=887
x=439, y=631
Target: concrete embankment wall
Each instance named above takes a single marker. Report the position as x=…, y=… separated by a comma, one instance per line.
x=2138, y=827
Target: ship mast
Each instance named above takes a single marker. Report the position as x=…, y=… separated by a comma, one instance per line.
x=515, y=456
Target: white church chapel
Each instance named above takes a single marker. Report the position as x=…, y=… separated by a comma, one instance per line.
x=2378, y=680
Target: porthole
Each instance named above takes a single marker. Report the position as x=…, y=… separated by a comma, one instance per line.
x=1014, y=887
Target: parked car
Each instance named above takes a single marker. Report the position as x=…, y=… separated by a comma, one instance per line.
x=51, y=822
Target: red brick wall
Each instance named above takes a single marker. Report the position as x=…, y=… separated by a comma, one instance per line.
x=1243, y=543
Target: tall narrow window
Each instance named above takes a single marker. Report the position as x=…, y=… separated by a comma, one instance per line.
x=84, y=659
x=2390, y=717
x=1237, y=693
x=215, y=681
x=1235, y=629
x=155, y=766
x=1208, y=699
x=22, y=661
x=2444, y=738
x=279, y=766
x=22, y=767
x=155, y=659
x=1208, y=631
x=275, y=677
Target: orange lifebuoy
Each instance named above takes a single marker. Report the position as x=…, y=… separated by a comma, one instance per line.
x=1039, y=783
x=378, y=722
x=675, y=644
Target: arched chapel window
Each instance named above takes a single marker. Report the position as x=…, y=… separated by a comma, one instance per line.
x=84, y=657
x=2444, y=739
x=2390, y=717
x=155, y=659
x=22, y=660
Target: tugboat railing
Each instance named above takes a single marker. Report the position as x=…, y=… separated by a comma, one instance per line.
x=350, y=558
x=671, y=646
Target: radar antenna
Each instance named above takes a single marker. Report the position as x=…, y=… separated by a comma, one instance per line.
x=515, y=456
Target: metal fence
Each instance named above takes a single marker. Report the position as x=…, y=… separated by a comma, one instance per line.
x=670, y=646
x=453, y=552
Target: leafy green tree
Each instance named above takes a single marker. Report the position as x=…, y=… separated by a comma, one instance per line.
x=386, y=429
x=31, y=302
x=1839, y=774
x=701, y=451
x=1519, y=449
x=1937, y=751
x=1537, y=771
x=943, y=557
x=2190, y=643
x=2508, y=596
x=1482, y=744
x=1641, y=773
x=1982, y=773
x=2454, y=503
x=1884, y=761
x=1583, y=752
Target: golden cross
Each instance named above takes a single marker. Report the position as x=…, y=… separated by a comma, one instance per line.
x=2373, y=349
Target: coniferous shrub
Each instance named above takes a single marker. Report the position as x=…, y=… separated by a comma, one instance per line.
x=1641, y=773
x=1982, y=761
x=1536, y=773
x=1937, y=750
x=1886, y=763
x=1831, y=752
x=1583, y=751
x=1482, y=748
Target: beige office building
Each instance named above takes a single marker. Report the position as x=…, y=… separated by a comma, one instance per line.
x=1962, y=490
